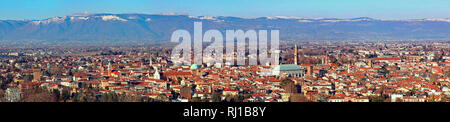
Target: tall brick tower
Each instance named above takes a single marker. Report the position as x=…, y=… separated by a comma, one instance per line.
x=296, y=55
x=326, y=58
x=36, y=74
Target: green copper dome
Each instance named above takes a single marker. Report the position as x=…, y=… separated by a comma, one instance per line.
x=288, y=67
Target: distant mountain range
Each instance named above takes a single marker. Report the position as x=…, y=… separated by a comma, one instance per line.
x=146, y=27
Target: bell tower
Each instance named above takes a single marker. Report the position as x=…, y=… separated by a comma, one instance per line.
x=296, y=55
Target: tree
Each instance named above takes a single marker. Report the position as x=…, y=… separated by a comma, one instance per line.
x=2, y=96
x=105, y=97
x=229, y=98
x=37, y=94
x=422, y=59
x=28, y=78
x=162, y=97
x=70, y=73
x=298, y=98
x=383, y=70
x=378, y=99
x=216, y=97
x=9, y=79
x=411, y=92
x=46, y=73
x=284, y=81
x=57, y=94
x=179, y=80
x=239, y=98
x=445, y=98
x=114, y=97
x=79, y=97
x=196, y=99
x=129, y=98
x=65, y=94
x=205, y=98
x=322, y=98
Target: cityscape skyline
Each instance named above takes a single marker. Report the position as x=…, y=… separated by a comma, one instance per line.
x=224, y=59
x=397, y=71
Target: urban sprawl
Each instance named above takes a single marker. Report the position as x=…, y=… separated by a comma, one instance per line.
x=308, y=71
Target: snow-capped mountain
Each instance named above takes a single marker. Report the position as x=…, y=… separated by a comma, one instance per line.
x=145, y=27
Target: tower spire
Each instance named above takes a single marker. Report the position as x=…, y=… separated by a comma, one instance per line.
x=151, y=62
x=109, y=68
x=156, y=75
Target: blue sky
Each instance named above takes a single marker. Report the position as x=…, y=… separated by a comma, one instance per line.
x=381, y=9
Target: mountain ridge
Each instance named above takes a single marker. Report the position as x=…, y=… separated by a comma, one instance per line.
x=154, y=27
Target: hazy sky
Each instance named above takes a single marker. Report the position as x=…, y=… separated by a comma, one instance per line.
x=380, y=9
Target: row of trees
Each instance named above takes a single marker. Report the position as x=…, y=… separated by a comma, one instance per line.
x=4, y=81
x=89, y=94
x=2, y=96
x=217, y=98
